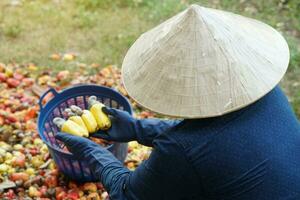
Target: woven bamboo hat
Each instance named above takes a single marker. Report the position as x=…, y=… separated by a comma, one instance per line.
x=204, y=63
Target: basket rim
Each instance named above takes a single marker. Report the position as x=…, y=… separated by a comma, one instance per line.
x=46, y=111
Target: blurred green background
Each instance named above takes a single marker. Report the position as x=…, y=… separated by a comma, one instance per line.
x=101, y=31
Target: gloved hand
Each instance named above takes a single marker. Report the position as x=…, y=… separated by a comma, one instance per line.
x=123, y=127
x=126, y=128
x=102, y=162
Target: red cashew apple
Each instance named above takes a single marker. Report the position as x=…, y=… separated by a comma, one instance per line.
x=12, y=82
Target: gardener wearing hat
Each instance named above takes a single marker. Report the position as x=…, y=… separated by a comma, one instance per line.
x=239, y=138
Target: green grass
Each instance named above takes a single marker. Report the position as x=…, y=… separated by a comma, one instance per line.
x=101, y=31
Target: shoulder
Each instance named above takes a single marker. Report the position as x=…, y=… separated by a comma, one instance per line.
x=167, y=157
x=168, y=145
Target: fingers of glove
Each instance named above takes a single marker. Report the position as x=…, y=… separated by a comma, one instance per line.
x=115, y=112
x=82, y=148
x=101, y=134
x=75, y=143
x=67, y=138
x=109, y=111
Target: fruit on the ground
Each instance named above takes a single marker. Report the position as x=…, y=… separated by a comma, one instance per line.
x=55, y=56
x=51, y=181
x=68, y=57
x=12, y=82
x=19, y=176
x=93, y=196
x=3, y=77
x=63, y=75
x=90, y=187
x=34, y=192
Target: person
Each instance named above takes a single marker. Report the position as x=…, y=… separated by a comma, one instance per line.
x=233, y=134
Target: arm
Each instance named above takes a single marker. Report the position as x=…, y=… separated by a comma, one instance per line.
x=153, y=178
x=148, y=129
x=126, y=128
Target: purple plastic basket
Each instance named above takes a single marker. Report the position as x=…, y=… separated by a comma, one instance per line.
x=68, y=164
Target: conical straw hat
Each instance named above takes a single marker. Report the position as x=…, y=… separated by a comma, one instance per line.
x=203, y=63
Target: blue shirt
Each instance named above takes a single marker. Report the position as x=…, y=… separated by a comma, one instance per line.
x=253, y=153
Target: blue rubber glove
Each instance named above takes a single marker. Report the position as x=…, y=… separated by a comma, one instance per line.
x=123, y=127
x=102, y=162
x=126, y=128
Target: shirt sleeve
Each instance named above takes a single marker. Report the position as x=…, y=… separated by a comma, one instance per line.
x=148, y=129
